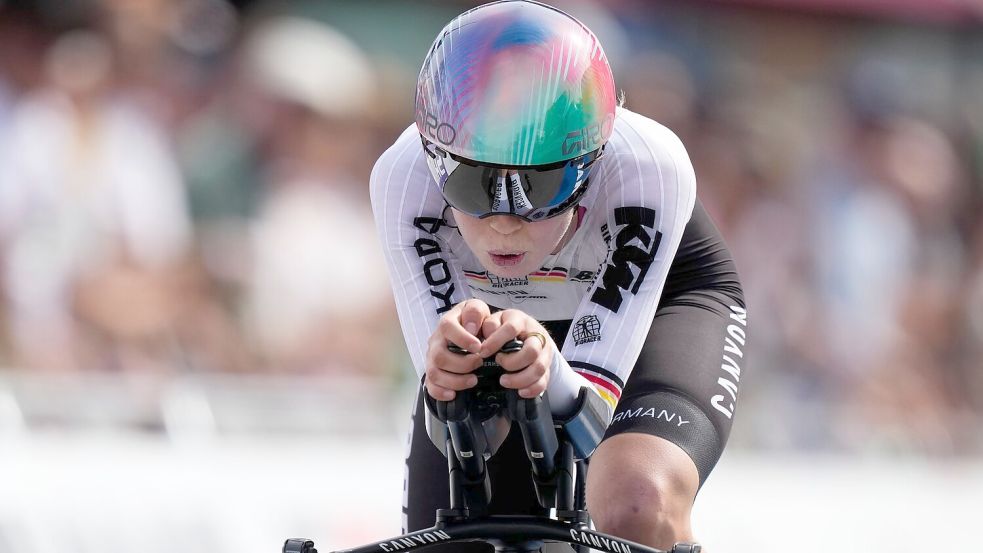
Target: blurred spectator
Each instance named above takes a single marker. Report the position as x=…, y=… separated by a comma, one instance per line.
x=88, y=188
x=168, y=51
x=865, y=247
x=854, y=218
x=660, y=85
x=6, y=103
x=315, y=294
x=319, y=291
x=972, y=318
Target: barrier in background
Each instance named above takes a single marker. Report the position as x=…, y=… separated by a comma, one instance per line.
x=103, y=492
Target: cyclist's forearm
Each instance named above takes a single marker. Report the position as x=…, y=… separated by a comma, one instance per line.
x=564, y=386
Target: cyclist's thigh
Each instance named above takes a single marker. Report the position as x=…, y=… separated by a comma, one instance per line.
x=684, y=386
x=426, y=487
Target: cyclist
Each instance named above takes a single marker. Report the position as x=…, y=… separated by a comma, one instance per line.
x=525, y=202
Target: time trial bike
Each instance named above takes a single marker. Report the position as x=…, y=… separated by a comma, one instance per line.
x=469, y=430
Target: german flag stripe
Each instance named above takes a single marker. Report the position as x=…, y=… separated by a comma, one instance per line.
x=602, y=385
x=599, y=372
x=549, y=273
x=604, y=393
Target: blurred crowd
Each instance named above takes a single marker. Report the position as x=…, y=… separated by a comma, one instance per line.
x=183, y=188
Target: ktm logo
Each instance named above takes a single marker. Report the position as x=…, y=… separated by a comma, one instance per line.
x=635, y=244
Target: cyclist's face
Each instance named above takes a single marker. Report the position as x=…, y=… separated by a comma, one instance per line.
x=512, y=247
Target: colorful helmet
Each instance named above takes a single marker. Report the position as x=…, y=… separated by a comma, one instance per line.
x=511, y=90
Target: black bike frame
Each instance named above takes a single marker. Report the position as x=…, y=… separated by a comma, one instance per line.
x=507, y=534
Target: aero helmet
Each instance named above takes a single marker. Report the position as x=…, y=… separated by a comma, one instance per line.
x=514, y=103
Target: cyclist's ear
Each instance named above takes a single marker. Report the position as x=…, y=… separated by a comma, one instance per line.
x=473, y=314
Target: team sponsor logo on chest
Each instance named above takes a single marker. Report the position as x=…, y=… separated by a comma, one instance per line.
x=538, y=285
x=543, y=275
x=633, y=250
x=484, y=278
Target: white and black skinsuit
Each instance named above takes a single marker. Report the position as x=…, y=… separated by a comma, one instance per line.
x=643, y=302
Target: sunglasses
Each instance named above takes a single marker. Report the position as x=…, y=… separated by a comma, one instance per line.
x=531, y=193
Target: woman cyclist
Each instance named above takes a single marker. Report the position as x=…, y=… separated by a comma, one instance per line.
x=525, y=203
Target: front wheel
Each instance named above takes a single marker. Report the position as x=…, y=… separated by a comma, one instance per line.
x=298, y=545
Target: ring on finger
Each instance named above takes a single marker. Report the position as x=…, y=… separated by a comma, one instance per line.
x=542, y=338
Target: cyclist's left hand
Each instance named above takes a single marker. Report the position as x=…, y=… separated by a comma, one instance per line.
x=527, y=369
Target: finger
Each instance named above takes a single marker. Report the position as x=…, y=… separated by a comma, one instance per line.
x=446, y=360
x=473, y=313
x=450, y=381
x=438, y=355
x=491, y=324
x=514, y=362
x=535, y=390
x=512, y=322
x=526, y=378
x=450, y=330
x=440, y=393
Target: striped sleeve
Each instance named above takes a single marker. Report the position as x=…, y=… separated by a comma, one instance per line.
x=649, y=189
x=425, y=276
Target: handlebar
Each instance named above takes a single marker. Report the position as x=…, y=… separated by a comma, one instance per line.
x=477, y=421
x=533, y=415
x=473, y=425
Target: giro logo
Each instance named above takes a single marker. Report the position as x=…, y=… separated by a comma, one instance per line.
x=441, y=132
x=588, y=138
x=635, y=245
x=435, y=268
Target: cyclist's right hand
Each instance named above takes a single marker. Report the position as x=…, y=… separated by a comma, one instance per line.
x=448, y=372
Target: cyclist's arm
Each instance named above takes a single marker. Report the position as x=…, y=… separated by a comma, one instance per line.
x=649, y=197
x=426, y=278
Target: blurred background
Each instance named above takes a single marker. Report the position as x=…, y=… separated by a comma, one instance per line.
x=198, y=346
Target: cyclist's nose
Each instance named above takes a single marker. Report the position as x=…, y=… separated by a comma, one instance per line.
x=505, y=224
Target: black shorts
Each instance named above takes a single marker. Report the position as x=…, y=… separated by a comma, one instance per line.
x=683, y=387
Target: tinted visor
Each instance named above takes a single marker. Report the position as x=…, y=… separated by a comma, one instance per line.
x=533, y=193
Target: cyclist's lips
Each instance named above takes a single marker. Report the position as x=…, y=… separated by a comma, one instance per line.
x=506, y=259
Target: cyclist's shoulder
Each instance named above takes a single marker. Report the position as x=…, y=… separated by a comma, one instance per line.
x=400, y=173
x=640, y=139
x=643, y=160
x=402, y=157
